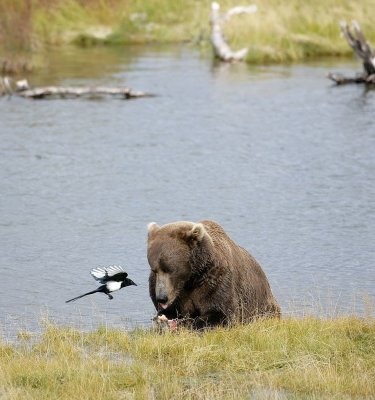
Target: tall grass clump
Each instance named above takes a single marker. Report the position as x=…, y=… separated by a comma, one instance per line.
x=304, y=358
x=15, y=31
x=15, y=24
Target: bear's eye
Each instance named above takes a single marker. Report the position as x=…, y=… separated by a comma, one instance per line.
x=165, y=267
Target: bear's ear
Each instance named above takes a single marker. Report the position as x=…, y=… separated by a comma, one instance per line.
x=152, y=228
x=197, y=232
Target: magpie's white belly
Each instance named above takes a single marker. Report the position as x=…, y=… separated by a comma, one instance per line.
x=112, y=286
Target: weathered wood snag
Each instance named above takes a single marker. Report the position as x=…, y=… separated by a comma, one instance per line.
x=23, y=89
x=221, y=48
x=357, y=41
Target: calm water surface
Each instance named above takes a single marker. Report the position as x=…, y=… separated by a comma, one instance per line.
x=277, y=155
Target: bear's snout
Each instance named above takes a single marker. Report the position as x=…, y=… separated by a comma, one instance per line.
x=162, y=298
x=161, y=289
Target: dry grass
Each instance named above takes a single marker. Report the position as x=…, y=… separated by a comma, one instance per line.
x=292, y=358
x=279, y=32
x=297, y=30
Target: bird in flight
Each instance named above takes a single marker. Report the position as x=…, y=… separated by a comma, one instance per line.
x=112, y=278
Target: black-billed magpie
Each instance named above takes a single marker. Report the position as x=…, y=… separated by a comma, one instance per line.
x=113, y=278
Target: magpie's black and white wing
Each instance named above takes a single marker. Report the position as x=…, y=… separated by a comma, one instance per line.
x=111, y=273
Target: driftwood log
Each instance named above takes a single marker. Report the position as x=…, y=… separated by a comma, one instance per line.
x=362, y=49
x=24, y=90
x=221, y=48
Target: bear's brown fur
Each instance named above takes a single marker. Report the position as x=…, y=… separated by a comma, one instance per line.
x=199, y=273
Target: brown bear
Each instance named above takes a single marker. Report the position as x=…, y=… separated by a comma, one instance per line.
x=199, y=274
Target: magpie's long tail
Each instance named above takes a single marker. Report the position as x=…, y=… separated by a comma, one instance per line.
x=83, y=295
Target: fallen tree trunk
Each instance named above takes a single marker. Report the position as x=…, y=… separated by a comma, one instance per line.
x=219, y=44
x=48, y=91
x=22, y=89
x=357, y=41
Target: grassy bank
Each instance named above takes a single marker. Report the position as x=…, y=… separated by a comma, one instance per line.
x=279, y=32
x=288, y=359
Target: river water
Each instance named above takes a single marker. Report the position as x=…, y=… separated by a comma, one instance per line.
x=276, y=154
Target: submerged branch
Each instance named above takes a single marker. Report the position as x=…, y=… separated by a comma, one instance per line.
x=360, y=78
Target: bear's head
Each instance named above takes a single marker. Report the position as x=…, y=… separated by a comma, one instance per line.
x=173, y=252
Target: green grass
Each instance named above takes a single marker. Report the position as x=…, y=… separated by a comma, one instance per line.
x=279, y=32
x=303, y=358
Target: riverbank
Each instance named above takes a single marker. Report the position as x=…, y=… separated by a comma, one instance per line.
x=278, y=32
x=287, y=359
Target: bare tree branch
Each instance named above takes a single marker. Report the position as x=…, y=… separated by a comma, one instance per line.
x=219, y=44
x=357, y=41
x=361, y=47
